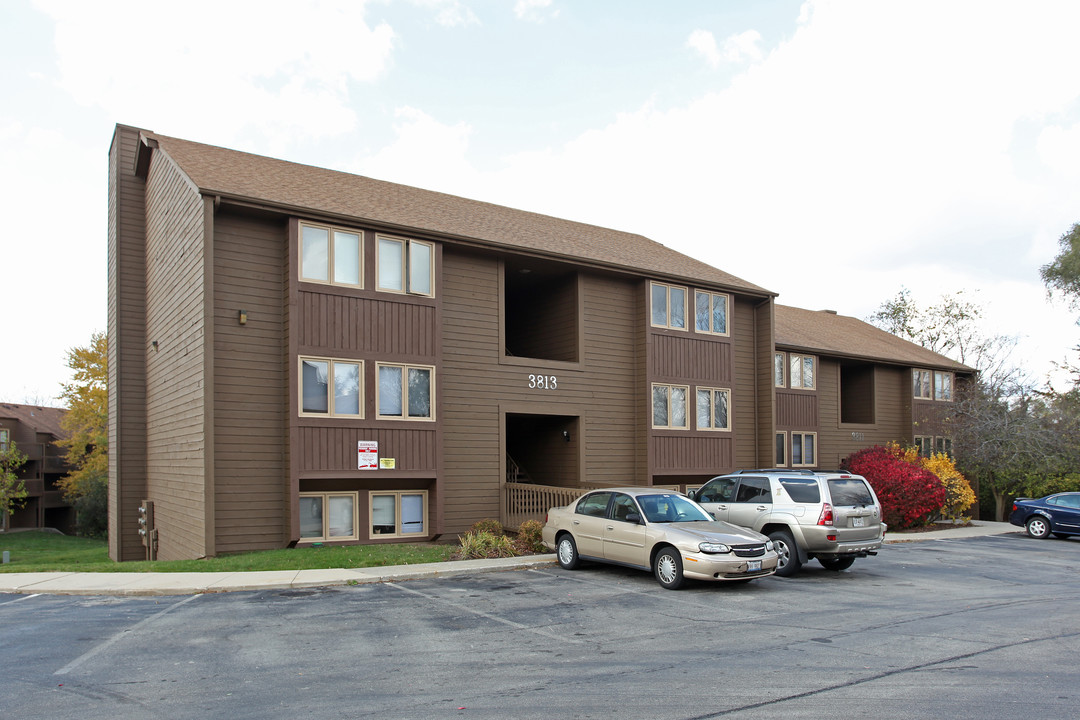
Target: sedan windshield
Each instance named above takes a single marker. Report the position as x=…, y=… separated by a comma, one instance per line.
x=671, y=508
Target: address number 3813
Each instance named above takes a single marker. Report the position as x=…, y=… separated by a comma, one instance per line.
x=543, y=382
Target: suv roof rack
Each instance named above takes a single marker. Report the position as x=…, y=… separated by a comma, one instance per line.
x=793, y=471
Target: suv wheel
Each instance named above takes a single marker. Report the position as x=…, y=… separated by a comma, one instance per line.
x=787, y=550
x=836, y=564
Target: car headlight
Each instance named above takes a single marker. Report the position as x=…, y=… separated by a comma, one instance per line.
x=769, y=545
x=713, y=547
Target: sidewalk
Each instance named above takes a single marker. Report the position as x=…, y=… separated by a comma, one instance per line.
x=121, y=583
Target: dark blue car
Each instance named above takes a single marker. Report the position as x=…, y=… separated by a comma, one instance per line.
x=1057, y=514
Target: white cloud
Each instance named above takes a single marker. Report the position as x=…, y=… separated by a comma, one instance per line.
x=148, y=64
x=744, y=47
x=1059, y=149
x=705, y=44
x=536, y=11
x=424, y=153
x=450, y=13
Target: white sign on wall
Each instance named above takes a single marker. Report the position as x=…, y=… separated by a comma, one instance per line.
x=367, y=452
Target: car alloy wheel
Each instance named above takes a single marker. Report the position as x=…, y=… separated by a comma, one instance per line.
x=1038, y=527
x=566, y=551
x=788, y=563
x=668, y=568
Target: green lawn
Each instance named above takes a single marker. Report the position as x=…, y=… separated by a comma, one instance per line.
x=34, y=551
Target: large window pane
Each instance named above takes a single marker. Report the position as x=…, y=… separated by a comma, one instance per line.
x=659, y=305
x=314, y=386
x=678, y=407
x=342, y=516
x=678, y=308
x=346, y=258
x=315, y=252
x=412, y=513
x=703, y=408
x=808, y=449
x=701, y=312
x=719, y=314
x=808, y=372
x=391, y=264
x=778, y=370
x=720, y=410
x=346, y=388
x=419, y=392
x=390, y=391
x=796, y=371
x=660, y=405
x=311, y=514
x=420, y=268
x=796, y=449
x=383, y=514
x=781, y=449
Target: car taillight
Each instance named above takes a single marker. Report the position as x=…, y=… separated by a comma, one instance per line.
x=1014, y=507
x=826, y=515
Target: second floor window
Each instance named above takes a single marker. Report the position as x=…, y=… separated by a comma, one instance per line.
x=331, y=387
x=713, y=409
x=668, y=306
x=710, y=312
x=779, y=370
x=669, y=406
x=802, y=371
x=405, y=392
x=405, y=266
x=943, y=386
x=920, y=381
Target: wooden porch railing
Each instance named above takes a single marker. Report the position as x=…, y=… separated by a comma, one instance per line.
x=525, y=501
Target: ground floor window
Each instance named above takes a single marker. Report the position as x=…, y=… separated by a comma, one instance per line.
x=712, y=409
x=669, y=406
x=398, y=513
x=803, y=449
x=327, y=516
x=930, y=444
x=781, y=449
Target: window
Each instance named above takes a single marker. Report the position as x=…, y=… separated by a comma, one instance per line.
x=593, y=505
x=713, y=409
x=718, y=490
x=943, y=386
x=405, y=392
x=398, y=513
x=753, y=490
x=668, y=306
x=710, y=312
x=780, y=369
x=669, y=406
x=331, y=255
x=920, y=381
x=924, y=444
x=781, y=449
x=405, y=266
x=5, y=438
x=624, y=507
x=802, y=371
x=802, y=449
x=319, y=375
x=943, y=445
x=802, y=490
x=327, y=516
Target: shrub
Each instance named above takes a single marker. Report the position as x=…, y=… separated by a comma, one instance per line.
x=483, y=544
x=530, y=537
x=489, y=526
x=958, y=493
x=909, y=494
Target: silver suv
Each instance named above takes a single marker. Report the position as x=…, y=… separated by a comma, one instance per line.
x=832, y=516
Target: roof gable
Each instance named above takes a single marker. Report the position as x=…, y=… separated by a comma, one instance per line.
x=302, y=188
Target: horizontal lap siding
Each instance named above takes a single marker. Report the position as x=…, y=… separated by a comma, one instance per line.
x=836, y=440
x=477, y=386
x=250, y=387
x=175, y=459
x=127, y=342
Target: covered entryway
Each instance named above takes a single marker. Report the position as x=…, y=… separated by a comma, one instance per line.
x=543, y=461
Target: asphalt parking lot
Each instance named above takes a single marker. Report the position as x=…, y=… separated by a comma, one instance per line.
x=967, y=628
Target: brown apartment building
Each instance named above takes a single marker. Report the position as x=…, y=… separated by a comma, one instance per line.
x=34, y=431
x=299, y=355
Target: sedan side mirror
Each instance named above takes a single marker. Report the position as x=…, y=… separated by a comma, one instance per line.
x=633, y=518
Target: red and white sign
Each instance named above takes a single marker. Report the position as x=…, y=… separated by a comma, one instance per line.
x=367, y=455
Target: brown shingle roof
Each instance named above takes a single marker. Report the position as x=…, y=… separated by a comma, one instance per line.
x=826, y=333
x=299, y=188
x=42, y=419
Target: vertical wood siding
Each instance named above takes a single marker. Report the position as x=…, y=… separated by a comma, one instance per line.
x=175, y=460
x=250, y=383
x=127, y=343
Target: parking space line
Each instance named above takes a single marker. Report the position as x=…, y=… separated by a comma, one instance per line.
x=111, y=641
x=488, y=616
x=24, y=597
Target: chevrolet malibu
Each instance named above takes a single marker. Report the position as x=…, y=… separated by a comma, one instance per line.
x=652, y=529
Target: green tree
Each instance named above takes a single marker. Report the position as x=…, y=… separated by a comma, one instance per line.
x=87, y=444
x=12, y=489
x=1063, y=273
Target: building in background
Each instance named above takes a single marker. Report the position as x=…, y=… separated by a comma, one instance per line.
x=35, y=430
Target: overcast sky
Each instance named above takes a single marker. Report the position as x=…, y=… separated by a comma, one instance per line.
x=833, y=152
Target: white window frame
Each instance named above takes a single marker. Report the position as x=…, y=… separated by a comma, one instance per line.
x=783, y=437
x=802, y=358
x=713, y=298
x=943, y=445
x=331, y=410
x=726, y=392
x=397, y=495
x=326, y=536
x=802, y=446
x=686, y=404
x=924, y=444
x=331, y=232
x=405, y=368
x=918, y=376
x=946, y=387
x=406, y=280
x=667, y=305
x=781, y=380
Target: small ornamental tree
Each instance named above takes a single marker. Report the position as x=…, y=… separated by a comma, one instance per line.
x=958, y=493
x=909, y=494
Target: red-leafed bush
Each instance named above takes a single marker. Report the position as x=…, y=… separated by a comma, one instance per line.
x=909, y=494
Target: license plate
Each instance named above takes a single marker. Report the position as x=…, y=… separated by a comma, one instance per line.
x=753, y=565
x=858, y=521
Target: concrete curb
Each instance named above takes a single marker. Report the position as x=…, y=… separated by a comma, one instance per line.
x=192, y=583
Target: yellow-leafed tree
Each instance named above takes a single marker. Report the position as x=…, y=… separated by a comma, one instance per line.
x=959, y=495
x=87, y=443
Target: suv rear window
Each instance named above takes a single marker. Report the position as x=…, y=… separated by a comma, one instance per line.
x=850, y=491
x=802, y=490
